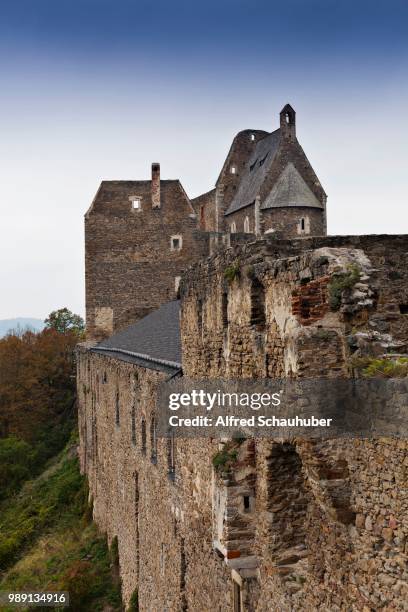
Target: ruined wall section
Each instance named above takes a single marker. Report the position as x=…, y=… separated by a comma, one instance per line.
x=284, y=525
x=331, y=527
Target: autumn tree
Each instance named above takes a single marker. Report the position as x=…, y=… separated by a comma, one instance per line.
x=37, y=380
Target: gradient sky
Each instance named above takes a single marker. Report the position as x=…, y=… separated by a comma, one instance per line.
x=98, y=89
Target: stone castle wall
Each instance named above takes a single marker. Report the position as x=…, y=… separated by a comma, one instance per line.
x=289, y=525
x=131, y=267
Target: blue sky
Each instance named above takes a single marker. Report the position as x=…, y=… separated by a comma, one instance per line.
x=98, y=89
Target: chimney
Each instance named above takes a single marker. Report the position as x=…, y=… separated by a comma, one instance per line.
x=288, y=122
x=155, y=185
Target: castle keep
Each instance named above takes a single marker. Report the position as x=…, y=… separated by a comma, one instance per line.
x=241, y=282
x=141, y=235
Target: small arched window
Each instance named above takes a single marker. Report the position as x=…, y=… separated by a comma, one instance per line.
x=246, y=225
x=233, y=169
x=233, y=228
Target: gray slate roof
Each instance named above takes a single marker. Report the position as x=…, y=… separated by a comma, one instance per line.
x=290, y=190
x=153, y=342
x=255, y=172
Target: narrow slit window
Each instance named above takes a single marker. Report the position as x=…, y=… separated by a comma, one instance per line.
x=252, y=137
x=171, y=456
x=143, y=436
x=133, y=417
x=153, y=440
x=200, y=316
x=237, y=597
x=117, y=409
x=302, y=224
x=225, y=309
x=233, y=169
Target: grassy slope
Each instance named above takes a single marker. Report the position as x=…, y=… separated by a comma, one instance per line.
x=48, y=542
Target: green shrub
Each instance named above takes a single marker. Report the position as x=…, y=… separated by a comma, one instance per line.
x=232, y=272
x=386, y=368
x=224, y=458
x=342, y=282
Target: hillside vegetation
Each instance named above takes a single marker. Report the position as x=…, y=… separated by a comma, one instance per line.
x=48, y=541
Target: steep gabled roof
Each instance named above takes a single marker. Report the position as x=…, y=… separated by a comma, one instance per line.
x=115, y=193
x=290, y=190
x=153, y=342
x=255, y=172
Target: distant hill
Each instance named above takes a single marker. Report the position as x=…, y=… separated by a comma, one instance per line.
x=20, y=323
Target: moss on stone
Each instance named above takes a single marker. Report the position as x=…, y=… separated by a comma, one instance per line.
x=342, y=282
x=232, y=271
x=372, y=367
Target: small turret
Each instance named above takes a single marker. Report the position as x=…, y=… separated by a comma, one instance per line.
x=288, y=122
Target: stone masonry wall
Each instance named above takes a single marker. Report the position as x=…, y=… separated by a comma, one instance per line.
x=288, y=525
x=161, y=517
x=331, y=517
x=130, y=265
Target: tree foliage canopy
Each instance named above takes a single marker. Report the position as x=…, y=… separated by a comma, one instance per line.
x=63, y=321
x=37, y=381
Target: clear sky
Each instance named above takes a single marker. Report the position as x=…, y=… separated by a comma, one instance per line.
x=98, y=89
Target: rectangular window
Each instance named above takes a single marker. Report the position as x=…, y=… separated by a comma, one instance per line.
x=136, y=202
x=176, y=243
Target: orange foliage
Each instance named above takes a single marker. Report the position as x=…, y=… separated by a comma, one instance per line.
x=36, y=380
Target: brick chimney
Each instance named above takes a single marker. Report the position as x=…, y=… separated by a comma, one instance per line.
x=155, y=185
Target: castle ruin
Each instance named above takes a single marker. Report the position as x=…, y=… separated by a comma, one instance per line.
x=292, y=524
